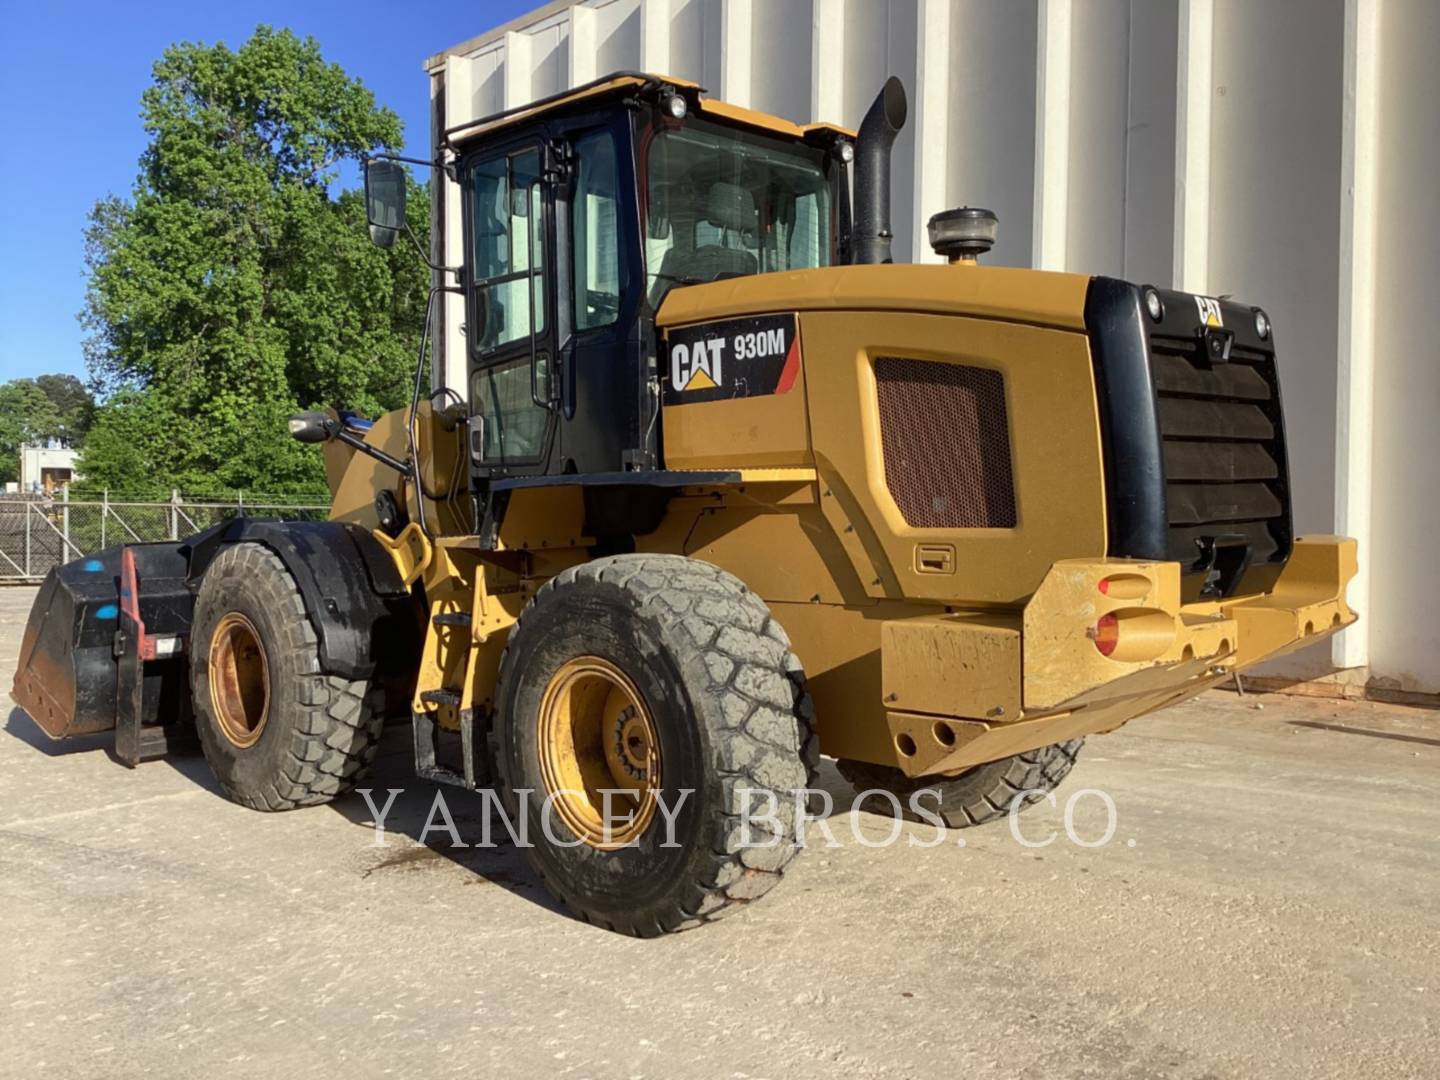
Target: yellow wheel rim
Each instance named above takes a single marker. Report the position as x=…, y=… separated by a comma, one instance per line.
x=596, y=734
x=239, y=680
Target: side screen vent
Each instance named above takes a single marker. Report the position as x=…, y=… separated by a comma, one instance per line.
x=946, y=443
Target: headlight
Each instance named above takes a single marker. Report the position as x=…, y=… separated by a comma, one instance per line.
x=1262, y=324
x=1153, y=305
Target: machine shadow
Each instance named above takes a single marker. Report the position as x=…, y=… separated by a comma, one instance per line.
x=411, y=846
x=416, y=833
x=19, y=726
x=23, y=729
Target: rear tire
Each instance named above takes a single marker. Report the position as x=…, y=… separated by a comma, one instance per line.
x=276, y=730
x=979, y=795
x=701, y=677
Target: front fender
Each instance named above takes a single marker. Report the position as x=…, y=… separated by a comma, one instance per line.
x=365, y=617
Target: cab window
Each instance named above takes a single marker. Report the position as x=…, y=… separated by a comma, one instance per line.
x=594, y=214
x=509, y=262
x=721, y=203
x=509, y=286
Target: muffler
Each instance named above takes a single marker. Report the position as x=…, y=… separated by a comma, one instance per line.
x=882, y=123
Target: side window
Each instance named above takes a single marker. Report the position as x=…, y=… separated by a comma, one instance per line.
x=509, y=249
x=809, y=232
x=594, y=224
x=507, y=216
x=514, y=425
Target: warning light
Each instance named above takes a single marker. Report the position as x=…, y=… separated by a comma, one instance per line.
x=1107, y=634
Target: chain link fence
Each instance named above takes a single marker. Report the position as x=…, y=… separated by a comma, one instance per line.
x=41, y=531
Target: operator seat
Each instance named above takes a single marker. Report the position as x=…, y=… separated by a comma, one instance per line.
x=731, y=209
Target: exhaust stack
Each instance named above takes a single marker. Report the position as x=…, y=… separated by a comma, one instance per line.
x=872, y=173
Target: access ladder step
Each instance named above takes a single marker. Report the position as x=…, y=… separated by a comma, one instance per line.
x=452, y=618
x=441, y=697
x=427, y=744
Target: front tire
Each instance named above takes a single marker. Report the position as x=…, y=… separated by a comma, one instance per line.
x=656, y=675
x=276, y=730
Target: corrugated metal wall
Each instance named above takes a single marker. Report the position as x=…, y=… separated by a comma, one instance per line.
x=1279, y=150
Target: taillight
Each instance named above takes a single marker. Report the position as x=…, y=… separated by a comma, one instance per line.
x=1107, y=634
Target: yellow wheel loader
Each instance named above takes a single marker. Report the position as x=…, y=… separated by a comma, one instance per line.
x=724, y=490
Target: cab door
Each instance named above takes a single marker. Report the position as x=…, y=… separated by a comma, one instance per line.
x=602, y=418
x=510, y=311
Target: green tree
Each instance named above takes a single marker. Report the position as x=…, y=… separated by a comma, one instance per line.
x=27, y=415
x=234, y=286
x=73, y=404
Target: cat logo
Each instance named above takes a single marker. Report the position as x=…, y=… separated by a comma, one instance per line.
x=697, y=366
x=732, y=358
x=1209, y=311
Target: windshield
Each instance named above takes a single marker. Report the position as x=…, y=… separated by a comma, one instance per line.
x=723, y=204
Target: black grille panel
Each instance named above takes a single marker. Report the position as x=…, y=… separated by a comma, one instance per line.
x=1223, y=447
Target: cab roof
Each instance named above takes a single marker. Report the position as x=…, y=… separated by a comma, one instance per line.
x=459, y=135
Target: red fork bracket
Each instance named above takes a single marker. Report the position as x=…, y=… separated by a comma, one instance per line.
x=135, y=741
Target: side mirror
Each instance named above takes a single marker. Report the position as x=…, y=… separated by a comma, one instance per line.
x=313, y=427
x=384, y=200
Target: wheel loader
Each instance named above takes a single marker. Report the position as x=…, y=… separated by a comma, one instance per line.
x=725, y=489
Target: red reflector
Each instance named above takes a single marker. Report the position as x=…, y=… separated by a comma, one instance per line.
x=1107, y=634
x=1105, y=585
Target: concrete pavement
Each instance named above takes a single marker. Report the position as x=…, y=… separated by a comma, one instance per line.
x=1267, y=906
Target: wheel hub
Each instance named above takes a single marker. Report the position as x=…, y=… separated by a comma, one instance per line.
x=632, y=744
x=599, y=753
x=239, y=680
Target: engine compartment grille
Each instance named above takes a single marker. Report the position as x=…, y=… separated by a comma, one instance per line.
x=1222, y=441
x=945, y=436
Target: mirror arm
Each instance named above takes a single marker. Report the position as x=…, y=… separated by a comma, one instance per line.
x=447, y=166
x=425, y=258
x=350, y=439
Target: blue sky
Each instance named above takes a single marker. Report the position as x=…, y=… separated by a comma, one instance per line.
x=71, y=75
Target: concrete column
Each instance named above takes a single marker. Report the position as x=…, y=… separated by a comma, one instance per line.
x=655, y=36
x=1355, y=374
x=459, y=103
x=990, y=123
x=439, y=346
x=582, y=45
x=1194, y=86
x=736, y=17
x=518, y=83
x=1098, y=139
x=932, y=120
x=1052, y=134
x=827, y=60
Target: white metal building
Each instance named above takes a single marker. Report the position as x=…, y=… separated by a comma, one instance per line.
x=1279, y=150
x=46, y=468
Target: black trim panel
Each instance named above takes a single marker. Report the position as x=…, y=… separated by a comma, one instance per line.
x=1193, y=393
x=1129, y=426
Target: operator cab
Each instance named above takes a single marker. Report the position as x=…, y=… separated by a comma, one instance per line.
x=581, y=213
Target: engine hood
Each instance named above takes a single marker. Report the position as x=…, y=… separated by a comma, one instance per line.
x=1010, y=294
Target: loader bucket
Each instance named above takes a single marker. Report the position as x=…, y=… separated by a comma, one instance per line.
x=66, y=674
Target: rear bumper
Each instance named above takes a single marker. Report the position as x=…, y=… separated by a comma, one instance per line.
x=964, y=689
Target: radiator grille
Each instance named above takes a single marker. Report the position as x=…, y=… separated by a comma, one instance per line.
x=1222, y=440
x=946, y=443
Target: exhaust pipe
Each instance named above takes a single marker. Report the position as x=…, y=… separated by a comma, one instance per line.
x=872, y=173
